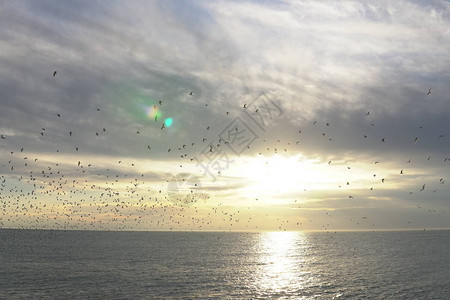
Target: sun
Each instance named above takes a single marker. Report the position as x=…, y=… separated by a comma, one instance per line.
x=279, y=176
x=273, y=175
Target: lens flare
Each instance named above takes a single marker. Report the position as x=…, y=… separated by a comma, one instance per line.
x=168, y=122
x=153, y=112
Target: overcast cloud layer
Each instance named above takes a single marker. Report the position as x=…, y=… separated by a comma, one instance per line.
x=361, y=88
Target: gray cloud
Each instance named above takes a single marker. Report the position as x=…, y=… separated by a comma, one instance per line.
x=321, y=62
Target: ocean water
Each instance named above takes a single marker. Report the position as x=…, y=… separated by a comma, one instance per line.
x=36, y=264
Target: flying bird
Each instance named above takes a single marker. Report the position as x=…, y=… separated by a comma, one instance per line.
x=54, y=73
x=3, y=137
x=429, y=92
x=191, y=93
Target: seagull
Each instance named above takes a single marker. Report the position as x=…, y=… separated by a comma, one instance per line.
x=54, y=73
x=368, y=113
x=423, y=187
x=416, y=140
x=245, y=105
x=3, y=137
x=429, y=92
x=70, y=133
x=191, y=93
x=58, y=115
x=162, y=127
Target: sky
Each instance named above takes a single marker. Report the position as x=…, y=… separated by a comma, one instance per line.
x=225, y=115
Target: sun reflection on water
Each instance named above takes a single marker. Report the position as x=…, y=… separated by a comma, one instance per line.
x=283, y=263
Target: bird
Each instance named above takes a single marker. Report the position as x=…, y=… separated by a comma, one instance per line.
x=3, y=137
x=191, y=93
x=160, y=102
x=59, y=115
x=54, y=73
x=429, y=92
x=245, y=106
x=423, y=187
x=70, y=133
x=368, y=113
x=162, y=127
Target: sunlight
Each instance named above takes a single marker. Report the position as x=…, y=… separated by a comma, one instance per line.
x=272, y=176
x=282, y=259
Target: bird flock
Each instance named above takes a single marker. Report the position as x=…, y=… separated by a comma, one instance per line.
x=43, y=190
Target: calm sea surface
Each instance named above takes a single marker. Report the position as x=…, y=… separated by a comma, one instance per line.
x=38, y=264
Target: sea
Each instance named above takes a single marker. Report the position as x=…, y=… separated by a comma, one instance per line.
x=53, y=264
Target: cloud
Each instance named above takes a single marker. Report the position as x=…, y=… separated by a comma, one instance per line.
x=329, y=63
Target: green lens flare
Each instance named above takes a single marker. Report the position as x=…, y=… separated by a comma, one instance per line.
x=168, y=122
